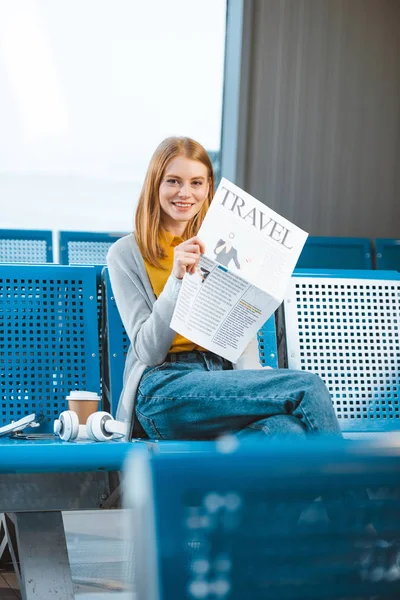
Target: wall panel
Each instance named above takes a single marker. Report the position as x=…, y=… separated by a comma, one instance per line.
x=323, y=128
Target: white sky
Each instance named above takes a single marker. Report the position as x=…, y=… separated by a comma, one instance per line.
x=92, y=86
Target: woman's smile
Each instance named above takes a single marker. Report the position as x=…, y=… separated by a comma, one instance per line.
x=183, y=206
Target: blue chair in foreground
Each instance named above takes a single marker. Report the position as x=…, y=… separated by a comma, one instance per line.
x=26, y=246
x=116, y=344
x=246, y=524
x=85, y=248
x=387, y=254
x=336, y=253
x=344, y=326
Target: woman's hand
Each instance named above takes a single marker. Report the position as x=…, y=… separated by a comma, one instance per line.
x=187, y=256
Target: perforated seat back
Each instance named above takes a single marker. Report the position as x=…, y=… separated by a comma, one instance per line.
x=267, y=344
x=48, y=339
x=26, y=246
x=89, y=248
x=85, y=248
x=345, y=327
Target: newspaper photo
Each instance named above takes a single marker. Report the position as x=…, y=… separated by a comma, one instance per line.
x=241, y=279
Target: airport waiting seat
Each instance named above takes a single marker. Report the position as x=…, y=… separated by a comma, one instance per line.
x=48, y=336
x=387, y=252
x=26, y=246
x=336, y=253
x=344, y=326
x=115, y=344
x=244, y=522
x=48, y=347
x=88, y=248
x=85, y=248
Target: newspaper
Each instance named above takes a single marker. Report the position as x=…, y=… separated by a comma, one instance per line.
x=241, y=279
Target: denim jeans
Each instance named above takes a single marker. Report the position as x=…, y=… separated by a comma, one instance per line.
x=199, y=396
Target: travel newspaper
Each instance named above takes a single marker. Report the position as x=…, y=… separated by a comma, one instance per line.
x=241, y=279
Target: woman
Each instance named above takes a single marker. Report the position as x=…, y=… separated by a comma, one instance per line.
x=180, y=390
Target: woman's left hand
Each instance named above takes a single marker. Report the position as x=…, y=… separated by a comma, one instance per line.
x=187, y=256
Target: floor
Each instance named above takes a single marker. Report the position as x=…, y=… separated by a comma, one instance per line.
x=98, y=554
x=8, y=586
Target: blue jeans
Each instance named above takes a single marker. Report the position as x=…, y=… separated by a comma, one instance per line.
x=199, y=396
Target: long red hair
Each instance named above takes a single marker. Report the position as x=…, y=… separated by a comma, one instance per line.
x=148, y=213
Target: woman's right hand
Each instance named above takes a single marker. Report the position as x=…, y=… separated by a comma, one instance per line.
x=187, y=256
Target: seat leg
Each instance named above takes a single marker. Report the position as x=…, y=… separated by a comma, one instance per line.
x=8, y=542
x=4, y=554
x=43, y=557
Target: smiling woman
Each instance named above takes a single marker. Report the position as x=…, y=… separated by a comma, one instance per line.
x=175, y=388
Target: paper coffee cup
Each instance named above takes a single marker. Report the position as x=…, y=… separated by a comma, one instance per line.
x=83, y=403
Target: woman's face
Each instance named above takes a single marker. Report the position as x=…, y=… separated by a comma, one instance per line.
x=183, y=191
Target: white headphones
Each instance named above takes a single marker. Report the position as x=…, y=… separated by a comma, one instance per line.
x=100, y=427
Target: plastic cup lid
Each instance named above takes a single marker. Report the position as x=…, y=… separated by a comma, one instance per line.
x=82, y=395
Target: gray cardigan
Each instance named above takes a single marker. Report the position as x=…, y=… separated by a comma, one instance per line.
x=145, y=317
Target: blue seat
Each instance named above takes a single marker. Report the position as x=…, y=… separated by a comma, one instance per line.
x=48, y=339
x=387, y=254
x=267, y=344
x=48, y=347
x=245, y=524
x=335, y=253
x=88, y=248
x=116, y=344
x=26, y=246
x=344, y=326
x=85, y=248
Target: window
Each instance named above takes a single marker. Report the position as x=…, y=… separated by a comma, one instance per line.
x=87, y=91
